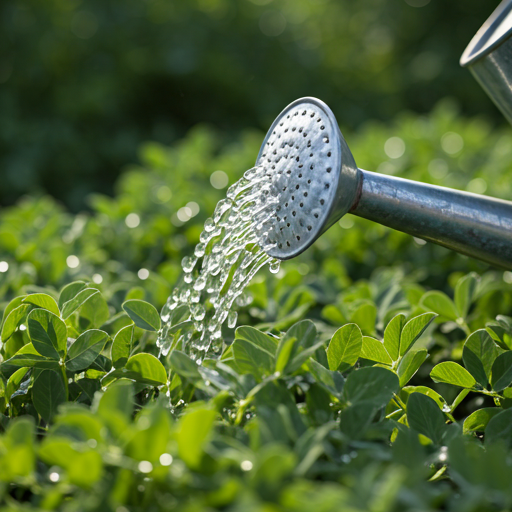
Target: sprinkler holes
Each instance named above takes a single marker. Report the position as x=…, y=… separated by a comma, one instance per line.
x=329, y=169
x=322, y=202
x=309, y=228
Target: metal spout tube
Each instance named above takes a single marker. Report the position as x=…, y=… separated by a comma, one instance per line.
x=471, y=224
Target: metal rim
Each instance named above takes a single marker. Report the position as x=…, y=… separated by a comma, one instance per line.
x=479, y=46
x=326, y=214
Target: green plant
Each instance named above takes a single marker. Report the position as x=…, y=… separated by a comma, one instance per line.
x=371, y=373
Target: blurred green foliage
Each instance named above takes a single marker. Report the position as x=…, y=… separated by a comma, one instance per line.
x=82, y=84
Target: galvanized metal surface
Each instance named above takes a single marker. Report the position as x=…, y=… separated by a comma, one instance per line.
x=489, y=57
x=316, y=181
x=471, y=224
x=305, y=151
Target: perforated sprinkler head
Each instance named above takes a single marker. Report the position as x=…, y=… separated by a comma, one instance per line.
x=314, y=181
x=313, y=174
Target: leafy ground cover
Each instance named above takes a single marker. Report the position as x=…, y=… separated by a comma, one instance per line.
x=372, y=373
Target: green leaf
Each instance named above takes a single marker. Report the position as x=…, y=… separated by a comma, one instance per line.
x=424, y=416
x=115, y=406
x=14, y=382
x=257, y=338
x=355, y=419
x=44, y=301
x=296, y=346
x=252, y=358
x=94, y=312
x=392, y=336
x=193, y=431
x=499, y=429
x=143, y=314
x=374, y=350
x=478, y=420
x=332, y=382
x=408, y=390
x=19, y=458
x=12, y=321
x=32, y=361
x=372, y=384
x=48, y=333
x=478, y=355
x=344, y=348
x=48, y=392
x=333, y=315
x=70, y=291
x=122, y=346
x=86, y=349
x=364, y=317
x=151, y=438
x=184, y=366
x=77, y=301
x=413, y=329
x=465, y=293
x=17, y=301
x=147, y=369
x=441, y=304
x=83, y=467
x=180, y=314
x=452, y=373
x=501, y=373
x=410, y=364
x=284, y=352
x=501, y=331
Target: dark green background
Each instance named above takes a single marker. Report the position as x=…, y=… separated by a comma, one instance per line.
x=82, y=84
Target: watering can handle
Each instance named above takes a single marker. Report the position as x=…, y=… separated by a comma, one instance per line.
x=471, y=224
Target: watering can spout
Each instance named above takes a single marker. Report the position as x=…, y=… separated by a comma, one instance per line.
x=315, y=181
x=489, y=57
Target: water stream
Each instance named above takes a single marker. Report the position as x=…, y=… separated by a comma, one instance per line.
x=230, y=251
